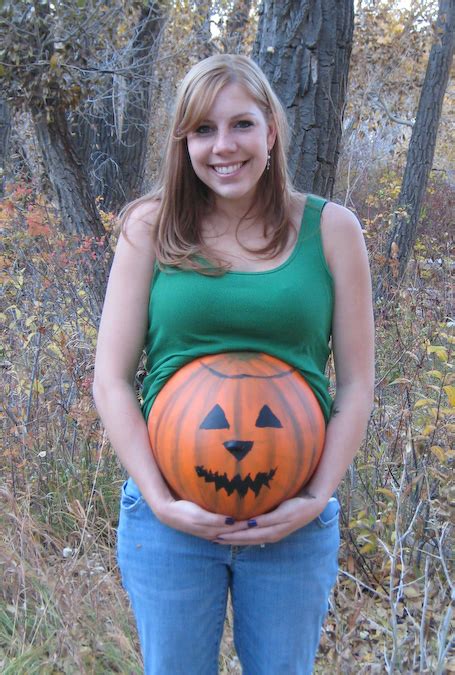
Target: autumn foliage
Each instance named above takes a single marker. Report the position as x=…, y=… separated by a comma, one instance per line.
x=61, y=479
x=62, y=608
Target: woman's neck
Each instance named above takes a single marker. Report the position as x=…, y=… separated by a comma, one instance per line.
x=227, y=215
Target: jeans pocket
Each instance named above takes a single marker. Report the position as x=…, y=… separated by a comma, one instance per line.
x=329, y=515
x=130, y=498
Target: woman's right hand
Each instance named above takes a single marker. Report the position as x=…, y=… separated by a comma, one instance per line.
x=192, y=519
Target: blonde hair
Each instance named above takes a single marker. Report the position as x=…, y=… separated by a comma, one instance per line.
x=184, y=199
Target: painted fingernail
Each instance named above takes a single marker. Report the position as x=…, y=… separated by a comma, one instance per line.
x=252, y=523
x=229, y=520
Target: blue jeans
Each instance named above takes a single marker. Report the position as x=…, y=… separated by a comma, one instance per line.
x=178, y=586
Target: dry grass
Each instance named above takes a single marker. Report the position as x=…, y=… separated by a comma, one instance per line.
x=63, y=609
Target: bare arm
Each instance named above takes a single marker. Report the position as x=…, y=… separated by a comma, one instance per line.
x=120, y=342
x=353, y=348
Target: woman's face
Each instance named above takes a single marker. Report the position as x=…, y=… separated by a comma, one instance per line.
x=228, y=150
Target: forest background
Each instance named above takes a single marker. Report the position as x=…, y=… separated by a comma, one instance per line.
x=76, y=115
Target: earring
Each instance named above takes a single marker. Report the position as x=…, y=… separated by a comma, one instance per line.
x=267, y=166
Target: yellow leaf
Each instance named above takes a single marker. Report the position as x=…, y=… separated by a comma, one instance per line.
x=38, y=387
x=365, y=534
x=444, y=410
x=439, y=350
x=400, y=380
x=424, y=402
x=428, y=429
x=435, y=373
x=412, y=592
x=54, y=348
x=450, y=391
x=368, y=548
x=27, y=341
x=53, y=61
x=449, y=338
x=438, y=452
x=386, y=492
x=30, y=320
x=450, y=428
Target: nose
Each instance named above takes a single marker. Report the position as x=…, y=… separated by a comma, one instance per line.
x=224, y=142
x=238, y=448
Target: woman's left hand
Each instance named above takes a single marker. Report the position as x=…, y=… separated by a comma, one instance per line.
x=289, y=516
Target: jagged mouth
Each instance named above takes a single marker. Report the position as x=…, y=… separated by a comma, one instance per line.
x=237, y=484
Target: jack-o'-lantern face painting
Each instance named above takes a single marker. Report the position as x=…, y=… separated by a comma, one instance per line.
x=236, y=433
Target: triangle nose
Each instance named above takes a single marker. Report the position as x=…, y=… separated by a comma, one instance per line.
x=238, y=448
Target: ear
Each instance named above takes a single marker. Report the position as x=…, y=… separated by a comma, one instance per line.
x=271, y=134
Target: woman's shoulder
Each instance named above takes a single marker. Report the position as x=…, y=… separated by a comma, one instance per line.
x=140, y=216
x=342, y=236
x=336, y=219
x=340, y=219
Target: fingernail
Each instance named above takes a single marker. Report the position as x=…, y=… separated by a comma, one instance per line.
x=229, y=520
x=252, y=523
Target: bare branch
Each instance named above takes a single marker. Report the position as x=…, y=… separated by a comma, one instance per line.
x=389, y=113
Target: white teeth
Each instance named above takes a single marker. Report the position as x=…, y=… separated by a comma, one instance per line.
x=228, y=169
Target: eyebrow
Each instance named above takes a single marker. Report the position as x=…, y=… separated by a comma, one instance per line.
x=234, y=117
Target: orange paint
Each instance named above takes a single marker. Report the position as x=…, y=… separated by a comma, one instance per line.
x=236, y=433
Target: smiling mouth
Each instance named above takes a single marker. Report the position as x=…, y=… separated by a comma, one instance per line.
x=237, y=484
x=227, y=170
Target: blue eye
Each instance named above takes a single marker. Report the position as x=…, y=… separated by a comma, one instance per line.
x=203, y=129
x=244, y=124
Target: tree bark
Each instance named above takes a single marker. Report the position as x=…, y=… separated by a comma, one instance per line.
x=233, y=41
x=5, y=133
x=304, y=48
x=420, y=153
x=66, y=173
x=112, y=136
x=71, y=186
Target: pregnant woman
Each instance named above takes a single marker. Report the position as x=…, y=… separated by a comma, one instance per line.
x=225, y=256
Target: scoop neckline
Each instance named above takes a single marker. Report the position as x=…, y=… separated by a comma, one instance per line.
x=288, y=260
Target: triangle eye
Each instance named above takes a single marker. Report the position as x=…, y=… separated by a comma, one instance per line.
x=266, y=418
x=216, y=419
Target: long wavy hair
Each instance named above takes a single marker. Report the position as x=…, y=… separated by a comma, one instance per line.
x=184, y=199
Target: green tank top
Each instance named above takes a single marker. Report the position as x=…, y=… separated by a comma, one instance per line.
x=285, y=312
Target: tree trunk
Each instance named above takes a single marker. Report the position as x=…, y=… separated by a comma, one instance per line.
x=236, y=25
x=67, y=174
x=420, y=153
x=112, y=135
x=5, y=132
x=201, y=27
x=70, y=183
x=304, y=49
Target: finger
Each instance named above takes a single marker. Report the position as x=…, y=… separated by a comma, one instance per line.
x=220, y=526
x=200, y=529
x=216, y=520
x=262, y=535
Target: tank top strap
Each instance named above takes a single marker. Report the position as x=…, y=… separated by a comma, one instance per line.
x=311, y=218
